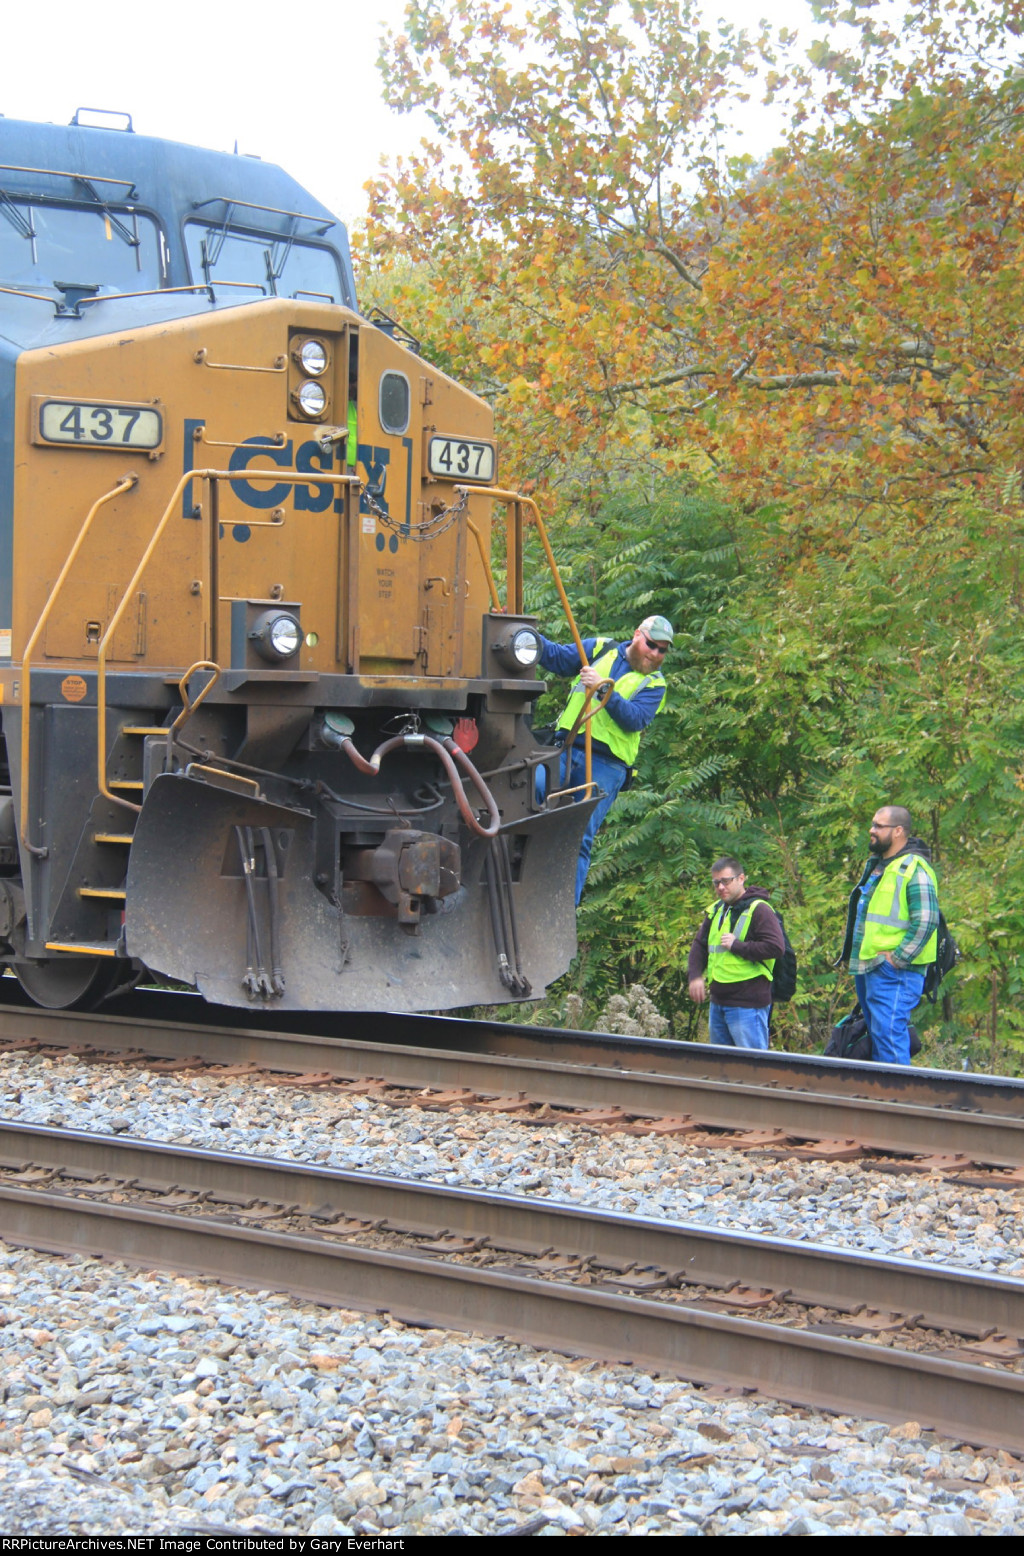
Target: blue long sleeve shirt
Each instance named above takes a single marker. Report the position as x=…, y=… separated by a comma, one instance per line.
x=633, y=713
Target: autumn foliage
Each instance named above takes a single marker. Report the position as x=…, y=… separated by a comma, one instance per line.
x=789, y=385
x=835, y=319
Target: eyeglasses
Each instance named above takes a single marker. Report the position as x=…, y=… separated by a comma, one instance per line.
x=655, y=648
x=723, y=880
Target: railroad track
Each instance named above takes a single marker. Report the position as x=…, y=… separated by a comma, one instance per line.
x=506, y=1039
x=887, y=1338
x=795, y=1106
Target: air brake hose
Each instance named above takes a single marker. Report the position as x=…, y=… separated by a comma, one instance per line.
x=445, y=750
x=255, y=981
x=358, y=761
x=273, y=891
x=497, y=922
x=481, y=788
x=523, y=983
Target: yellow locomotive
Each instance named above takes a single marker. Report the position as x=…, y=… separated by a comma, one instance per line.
x=266, y=715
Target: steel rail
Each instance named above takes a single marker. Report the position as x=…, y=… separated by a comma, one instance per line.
x=966, y=1401
x=700, y=1255
x=958, y=1090
x=877, y=1123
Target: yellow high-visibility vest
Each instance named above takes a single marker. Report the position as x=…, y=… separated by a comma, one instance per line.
x=887, y=918
x=623, y=743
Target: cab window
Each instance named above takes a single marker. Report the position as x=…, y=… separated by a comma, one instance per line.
x=394, y=402
x=277, y=267
x=42, y=243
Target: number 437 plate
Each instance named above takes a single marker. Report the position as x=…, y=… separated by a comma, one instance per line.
x=461, y=459
x=97, y=424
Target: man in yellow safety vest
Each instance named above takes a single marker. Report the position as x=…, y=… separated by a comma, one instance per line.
x=635, y=668
x=737, y=946
x=892, y=932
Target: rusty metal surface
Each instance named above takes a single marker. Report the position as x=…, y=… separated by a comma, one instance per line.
x=977, y=1404
x=708, y=1061
x=831, y=1277
x=885, y=1124
x=958, y=1090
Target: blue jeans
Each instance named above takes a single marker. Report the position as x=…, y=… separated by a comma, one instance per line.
x=738, y=1026
x=887, y=998
x=609, y=775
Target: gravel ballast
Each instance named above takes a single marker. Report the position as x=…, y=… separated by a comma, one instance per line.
x=137, y=1401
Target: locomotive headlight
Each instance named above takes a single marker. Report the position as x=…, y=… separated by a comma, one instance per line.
x=519, y=651
x=313, y=356
x=525, y=647
x=285, y=635
x=311, y=398
x=276, y=635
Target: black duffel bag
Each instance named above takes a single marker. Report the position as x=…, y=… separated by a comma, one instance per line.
x=851, y=1039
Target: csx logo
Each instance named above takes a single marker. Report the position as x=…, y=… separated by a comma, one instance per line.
x=308, y=497
x=308, y=457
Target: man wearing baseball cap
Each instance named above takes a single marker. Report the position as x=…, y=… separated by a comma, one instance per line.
x=635, y=668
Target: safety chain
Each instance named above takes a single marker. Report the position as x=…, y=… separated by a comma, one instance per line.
x=428, y=529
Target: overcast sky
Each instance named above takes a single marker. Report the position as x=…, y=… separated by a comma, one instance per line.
x=297, y=84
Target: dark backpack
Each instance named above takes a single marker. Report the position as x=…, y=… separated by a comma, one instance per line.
x=851, y=1039
x=947, y=954
x=784, y=976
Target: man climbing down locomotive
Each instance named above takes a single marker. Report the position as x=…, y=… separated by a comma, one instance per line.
x=634, y=667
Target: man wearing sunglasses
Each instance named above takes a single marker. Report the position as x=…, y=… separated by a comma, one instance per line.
x=738, y=944
x=892, y=931
x=635, y=668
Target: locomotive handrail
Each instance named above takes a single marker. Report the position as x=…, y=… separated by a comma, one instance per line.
x=201, y=356
x=151, y=291
x=123, y=484
x=318, y=478
x=324, y=223
x=486, y=563
x=17, y=291
x=278, y=440
x=127, y=184
x=513, y=501
x=603, y=694
x=188, y=708
x=168, y=291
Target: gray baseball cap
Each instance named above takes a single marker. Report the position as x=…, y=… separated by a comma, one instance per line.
x=658, y=629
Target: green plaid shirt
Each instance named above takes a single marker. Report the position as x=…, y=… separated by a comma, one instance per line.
x=922, y=909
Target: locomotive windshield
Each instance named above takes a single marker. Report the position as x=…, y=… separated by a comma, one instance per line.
x=42, y=243
x=278, y=266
